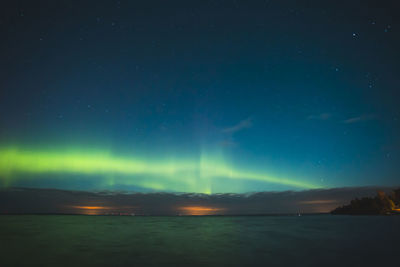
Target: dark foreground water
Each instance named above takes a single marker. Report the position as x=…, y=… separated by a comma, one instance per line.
x=323, y=240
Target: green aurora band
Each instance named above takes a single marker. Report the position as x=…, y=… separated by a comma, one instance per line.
x=169, y=175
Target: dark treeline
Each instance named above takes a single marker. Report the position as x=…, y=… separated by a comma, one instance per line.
x=381, y=204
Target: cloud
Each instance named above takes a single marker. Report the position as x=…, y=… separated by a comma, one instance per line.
x=244, y=124
x=54, y=201
x=359, y=119
x=327, y=116
x=320, y=117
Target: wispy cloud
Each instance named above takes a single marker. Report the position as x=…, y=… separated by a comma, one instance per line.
x=320, y=117
x=356, y=119
x=359, y=119
x=244, y=124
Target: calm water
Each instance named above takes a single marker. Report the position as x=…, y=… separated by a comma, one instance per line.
x=197, y=241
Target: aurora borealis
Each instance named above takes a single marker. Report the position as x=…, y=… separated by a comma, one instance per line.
x=199, y=133
x=175, y=176
x=199, y=96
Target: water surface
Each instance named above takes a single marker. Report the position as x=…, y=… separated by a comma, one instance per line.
x=324, y=240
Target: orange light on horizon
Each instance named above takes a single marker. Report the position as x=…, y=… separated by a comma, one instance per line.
x=91, y=210
x=92, y=207
x=319, y=201
x=199, y=210
x=101, y=210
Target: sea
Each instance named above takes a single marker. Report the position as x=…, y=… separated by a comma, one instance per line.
x=313, y=240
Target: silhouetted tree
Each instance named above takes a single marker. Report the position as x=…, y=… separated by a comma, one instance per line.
x=396, y=196
x=381, y=204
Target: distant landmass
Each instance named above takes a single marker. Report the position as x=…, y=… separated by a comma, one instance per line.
x=381, y=204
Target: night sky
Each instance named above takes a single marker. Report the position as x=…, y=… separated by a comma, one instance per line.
x=199, y=96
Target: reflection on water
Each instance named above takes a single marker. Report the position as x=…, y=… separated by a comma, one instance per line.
x=198, y=241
